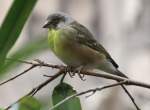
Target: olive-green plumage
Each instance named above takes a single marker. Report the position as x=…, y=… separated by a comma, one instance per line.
x=75, y=45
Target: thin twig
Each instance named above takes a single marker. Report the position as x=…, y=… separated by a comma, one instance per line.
x=88, y=91
x=22, y=73
x=117, y=78
x=36, y=89
x=47, y=75
x=38, y=63
x=130, y=96
x=62, y=79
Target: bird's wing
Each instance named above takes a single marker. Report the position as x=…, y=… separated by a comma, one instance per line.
x=86, y=38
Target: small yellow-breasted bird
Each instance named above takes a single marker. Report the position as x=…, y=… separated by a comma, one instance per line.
x=74, y=44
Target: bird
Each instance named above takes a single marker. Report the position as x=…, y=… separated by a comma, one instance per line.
x=76, y=46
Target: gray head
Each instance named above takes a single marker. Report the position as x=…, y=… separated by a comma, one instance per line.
x=57, y=20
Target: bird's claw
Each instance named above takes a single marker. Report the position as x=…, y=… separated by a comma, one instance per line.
x=81, y=76
x=71, y=74
x=72, y=71
x=68, y=69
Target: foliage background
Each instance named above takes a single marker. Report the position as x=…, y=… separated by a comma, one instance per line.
x=122, y=26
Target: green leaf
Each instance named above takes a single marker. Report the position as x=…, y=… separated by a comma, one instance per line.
x=61, y=92
x=29, y=103
x=13, y=24
x=1, y=109
x=24, y=52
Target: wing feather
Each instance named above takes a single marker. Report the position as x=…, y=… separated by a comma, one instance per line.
x=86, y=38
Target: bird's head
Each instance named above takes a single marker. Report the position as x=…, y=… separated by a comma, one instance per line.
x=57, y=20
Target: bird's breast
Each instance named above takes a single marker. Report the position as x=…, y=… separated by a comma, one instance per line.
x=66, y=49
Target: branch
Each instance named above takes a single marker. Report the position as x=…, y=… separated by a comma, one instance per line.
x=130, y=96
x=33, y=65
x=64, y=69
x=36, y=89
x=102, y=75
x=118, y=78
x=25, y=71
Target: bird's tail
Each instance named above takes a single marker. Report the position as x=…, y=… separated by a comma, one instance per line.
x=119, y=73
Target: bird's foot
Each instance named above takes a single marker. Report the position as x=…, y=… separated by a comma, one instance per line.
x=70, y=71
x=73, y=70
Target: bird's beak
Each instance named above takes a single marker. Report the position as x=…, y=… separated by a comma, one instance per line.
x=46, y=24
